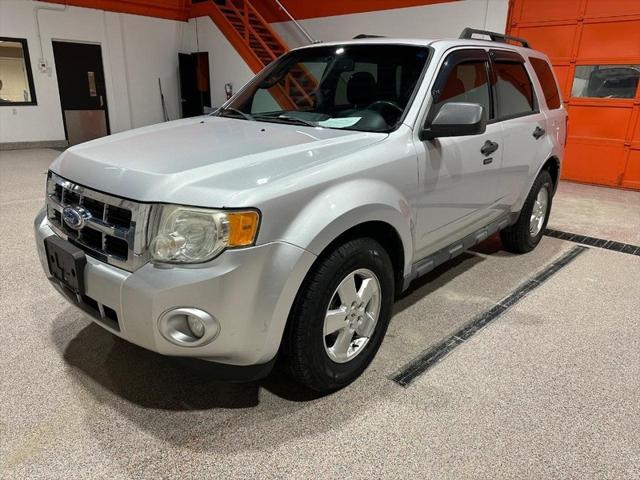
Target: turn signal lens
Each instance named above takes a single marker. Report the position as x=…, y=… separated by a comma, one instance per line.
x=243, y=227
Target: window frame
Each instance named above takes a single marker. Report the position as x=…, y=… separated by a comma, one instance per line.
x=451, y=61
x=509, y=56
x=30, y=82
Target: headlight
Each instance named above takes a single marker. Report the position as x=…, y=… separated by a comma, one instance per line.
x=193, y=235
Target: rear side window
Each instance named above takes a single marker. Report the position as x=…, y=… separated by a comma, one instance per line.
x=547, y=82
x=467, y=82
x=513, y=89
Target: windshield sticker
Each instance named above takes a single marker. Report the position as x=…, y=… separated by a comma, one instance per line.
x=339, y=122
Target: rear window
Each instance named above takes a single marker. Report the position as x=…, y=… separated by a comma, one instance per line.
x=514, y=90
x=547, y=82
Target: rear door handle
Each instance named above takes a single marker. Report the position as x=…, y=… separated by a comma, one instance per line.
x=538, y=132
x=489, y=147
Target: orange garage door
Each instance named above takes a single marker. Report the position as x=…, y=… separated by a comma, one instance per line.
x=594, y=46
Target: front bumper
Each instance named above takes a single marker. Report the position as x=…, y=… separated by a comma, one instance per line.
x=248, y=291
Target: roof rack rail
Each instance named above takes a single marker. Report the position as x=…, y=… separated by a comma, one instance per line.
x=366, y=35
x=469, y=32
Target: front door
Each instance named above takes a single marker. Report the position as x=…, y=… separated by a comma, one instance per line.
x=459, y=180
x=82, y=91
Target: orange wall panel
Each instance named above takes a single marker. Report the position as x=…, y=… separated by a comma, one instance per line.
x=556, y=41
x=616, y=40
x=546, y=10
x=631, y=177
x=562, y=74
x=636, y=135
x=610, y=8
x=592, y=163
x=596, y=122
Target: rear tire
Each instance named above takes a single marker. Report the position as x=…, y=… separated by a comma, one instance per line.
x=340, y=316
x=525, y=234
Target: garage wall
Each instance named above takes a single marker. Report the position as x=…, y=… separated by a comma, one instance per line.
x=603, y=144
x=427, y=21
x=136, y=51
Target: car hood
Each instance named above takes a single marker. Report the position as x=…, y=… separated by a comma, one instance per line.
x=206, y=161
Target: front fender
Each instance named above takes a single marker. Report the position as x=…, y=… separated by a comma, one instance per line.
x=341, y=207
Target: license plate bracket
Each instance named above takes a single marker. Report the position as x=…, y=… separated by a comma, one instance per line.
x=66, y=263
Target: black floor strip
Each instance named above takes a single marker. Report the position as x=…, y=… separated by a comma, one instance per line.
x=416, y=367
x=594, y=242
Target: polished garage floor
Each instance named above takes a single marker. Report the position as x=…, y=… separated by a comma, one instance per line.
x=550, y=389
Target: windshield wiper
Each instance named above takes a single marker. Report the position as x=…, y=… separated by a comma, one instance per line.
x=224, y=110
x=286, y=119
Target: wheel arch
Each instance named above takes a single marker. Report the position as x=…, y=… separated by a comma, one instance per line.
x=383, y=233
x=552, y=165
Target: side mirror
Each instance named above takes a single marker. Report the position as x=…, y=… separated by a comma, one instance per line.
x=456, y=119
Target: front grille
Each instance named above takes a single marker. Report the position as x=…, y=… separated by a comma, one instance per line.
x=114, y=229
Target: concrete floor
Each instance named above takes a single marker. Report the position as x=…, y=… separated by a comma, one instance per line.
x=548, y=390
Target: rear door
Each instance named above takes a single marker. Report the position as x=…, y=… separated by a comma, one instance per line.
x=458, y=183
x=555, y=113
x=526, y=144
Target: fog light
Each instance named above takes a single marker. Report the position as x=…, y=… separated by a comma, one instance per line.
x=196, y=326
x=188, y=327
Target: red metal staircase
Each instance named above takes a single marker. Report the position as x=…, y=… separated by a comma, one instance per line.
x=258, y=44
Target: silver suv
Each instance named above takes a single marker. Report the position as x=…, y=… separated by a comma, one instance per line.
x=284, y=224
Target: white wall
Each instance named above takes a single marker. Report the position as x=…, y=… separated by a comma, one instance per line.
x=430, y=21
x=136, y=51
x=225, y=64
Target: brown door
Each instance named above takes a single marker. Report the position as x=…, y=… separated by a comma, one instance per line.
x=82, y=91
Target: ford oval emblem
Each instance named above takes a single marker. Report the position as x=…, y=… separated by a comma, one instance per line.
x=75, y=217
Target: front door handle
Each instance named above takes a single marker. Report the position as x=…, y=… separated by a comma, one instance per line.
x=538, y=132
x=489, y=147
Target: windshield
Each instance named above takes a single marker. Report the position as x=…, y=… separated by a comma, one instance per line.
x=355, y=87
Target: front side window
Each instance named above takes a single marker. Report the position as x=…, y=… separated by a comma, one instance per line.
x=467, y=82
x=605, y=81
x=547, y=82
x=514, y=91
x=16, y=79
x=355, y=87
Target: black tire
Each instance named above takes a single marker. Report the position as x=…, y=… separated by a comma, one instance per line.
x=517, y=238
x=304, y=353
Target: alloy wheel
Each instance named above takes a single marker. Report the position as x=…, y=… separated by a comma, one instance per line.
x=352, y=315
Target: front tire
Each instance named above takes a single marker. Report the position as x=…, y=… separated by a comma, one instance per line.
x=526, y=233
x=340, y=315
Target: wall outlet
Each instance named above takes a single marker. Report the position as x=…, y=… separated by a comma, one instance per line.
x=14, y=111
